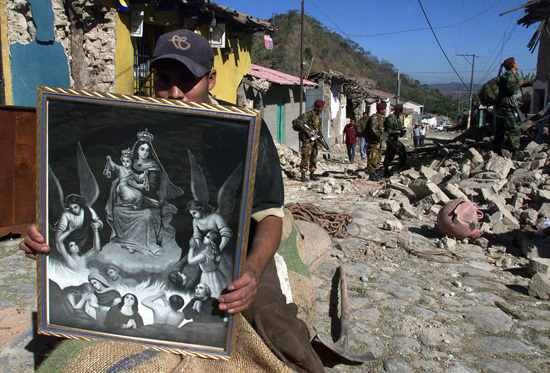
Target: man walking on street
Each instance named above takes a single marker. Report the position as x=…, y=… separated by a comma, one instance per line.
x=309, y=148
x=359, y=131
x=374, y=129
x=394, y=128
x=349, y=139
x=508, y=132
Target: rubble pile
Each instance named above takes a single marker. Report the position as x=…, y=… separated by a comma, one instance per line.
x=514, y=195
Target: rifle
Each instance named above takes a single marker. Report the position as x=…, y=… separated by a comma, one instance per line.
x=316, y=137
x=388, y=142
x=519, y=115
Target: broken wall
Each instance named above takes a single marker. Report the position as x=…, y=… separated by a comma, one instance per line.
x=61, y=44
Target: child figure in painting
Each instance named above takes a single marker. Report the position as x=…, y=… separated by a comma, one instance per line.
x=130, y=184
x=209, y=261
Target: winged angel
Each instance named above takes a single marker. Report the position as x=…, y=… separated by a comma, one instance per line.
x=76, y=229
x=211, y=231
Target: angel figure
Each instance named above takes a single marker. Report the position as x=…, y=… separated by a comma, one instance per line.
x=205, y=218
x=76, y=222
x=211, y=231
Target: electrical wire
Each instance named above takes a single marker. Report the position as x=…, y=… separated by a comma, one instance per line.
x=440, y=47
x=401, y=31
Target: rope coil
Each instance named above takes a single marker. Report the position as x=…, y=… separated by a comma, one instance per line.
x=335, y=223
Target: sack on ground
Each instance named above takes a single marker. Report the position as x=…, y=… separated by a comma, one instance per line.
x=488, y=94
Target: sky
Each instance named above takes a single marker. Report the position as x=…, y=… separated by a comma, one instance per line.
x=466, y=27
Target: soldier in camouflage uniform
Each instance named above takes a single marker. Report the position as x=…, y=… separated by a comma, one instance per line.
x=394, y=128
x=374, y=127
x=309, y=148
x=508, y=132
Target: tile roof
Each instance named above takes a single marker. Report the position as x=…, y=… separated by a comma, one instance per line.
x=274, y=76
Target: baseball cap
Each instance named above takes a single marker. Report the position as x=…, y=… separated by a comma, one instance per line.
x=187, y=47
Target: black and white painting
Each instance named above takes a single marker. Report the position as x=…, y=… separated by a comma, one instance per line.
x=143, y=206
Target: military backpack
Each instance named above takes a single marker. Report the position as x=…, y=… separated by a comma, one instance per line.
x=488, y=94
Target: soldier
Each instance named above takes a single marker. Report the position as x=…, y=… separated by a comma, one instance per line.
x=394, y=128
x=309, y=148
x=374, y=127
x=507, y=129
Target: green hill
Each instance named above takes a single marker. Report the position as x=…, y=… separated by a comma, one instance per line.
x=326, y=50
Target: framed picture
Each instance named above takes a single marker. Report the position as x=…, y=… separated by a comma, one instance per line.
x=145, y=204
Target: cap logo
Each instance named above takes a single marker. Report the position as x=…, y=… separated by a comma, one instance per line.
x=180, y=42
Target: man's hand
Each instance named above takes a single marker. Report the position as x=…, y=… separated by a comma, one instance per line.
x=242, y=293
x=33, y=243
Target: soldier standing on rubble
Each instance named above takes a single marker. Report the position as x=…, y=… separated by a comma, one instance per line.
x=394, y=128
x=374, y=128
x=508, y=132
x=309, y=148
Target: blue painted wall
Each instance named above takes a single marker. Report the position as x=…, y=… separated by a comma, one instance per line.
x=42, y=62
x=37, y=64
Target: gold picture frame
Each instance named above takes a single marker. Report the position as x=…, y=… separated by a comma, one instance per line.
x=143, y=201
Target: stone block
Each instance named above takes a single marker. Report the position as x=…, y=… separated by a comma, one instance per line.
x=411, y=174
x=539, y=287
x=529, y=217
x=392, y=225
x=402, y=188
x=423, y=188
x=544, y=210
x=432, y=175
x=499, y=204
x=541, y=195
x=539, y=265
x=409, y=213
x=473, y=155
x=390, y=205
x=525, y=177
x=453, y=192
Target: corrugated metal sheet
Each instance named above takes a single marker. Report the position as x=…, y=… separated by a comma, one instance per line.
x=277, y=77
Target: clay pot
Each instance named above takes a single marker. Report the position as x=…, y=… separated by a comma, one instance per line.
x=459, y=219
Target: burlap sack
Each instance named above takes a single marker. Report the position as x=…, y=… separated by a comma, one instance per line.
x=294, y=252
x=250, y=355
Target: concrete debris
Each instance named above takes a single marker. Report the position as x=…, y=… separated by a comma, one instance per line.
x=539, y=287
x=392, y=225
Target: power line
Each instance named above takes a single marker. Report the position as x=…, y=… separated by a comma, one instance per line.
x=401, y=31
x=439, y=44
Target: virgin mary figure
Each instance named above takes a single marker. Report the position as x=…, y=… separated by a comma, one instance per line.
x=145, y=227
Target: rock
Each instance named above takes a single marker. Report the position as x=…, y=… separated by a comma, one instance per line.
x=539, y=265
x=490, y=319
x=499, y=204
x=539, y=287
x=396, y=365
x=392, y=225
x=473, y=155
x=423, y=188
x=529, y=217
x=453, y=192
x=431, y=337
x=428, y=173
x=390, y=205
x=502, y=365
x=498, y=345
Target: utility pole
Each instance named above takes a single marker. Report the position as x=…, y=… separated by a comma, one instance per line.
x=302, y=61
x=398, y=89
x=471, y=87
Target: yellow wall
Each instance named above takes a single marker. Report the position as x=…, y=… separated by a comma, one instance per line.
x=6, y=70
x=124, y=56
x=231, y=68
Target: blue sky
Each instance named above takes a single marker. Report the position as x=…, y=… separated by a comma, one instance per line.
x=462, y=27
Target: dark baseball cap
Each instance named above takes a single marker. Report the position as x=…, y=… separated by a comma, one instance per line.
x=187, y=47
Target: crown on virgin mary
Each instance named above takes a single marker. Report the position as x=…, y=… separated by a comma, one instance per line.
x=127, y=153
x=145, y=136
